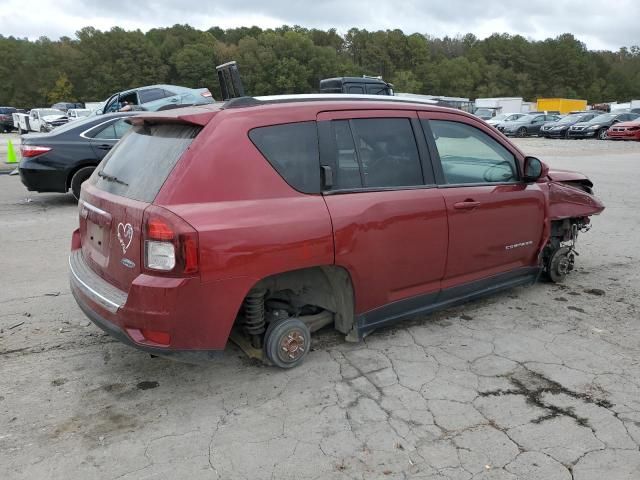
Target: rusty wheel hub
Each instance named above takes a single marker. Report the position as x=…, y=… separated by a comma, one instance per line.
x=292, y=345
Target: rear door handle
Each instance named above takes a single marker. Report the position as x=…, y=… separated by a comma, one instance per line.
x=466, y=205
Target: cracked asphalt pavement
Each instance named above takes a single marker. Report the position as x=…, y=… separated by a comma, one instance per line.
x=540, y=382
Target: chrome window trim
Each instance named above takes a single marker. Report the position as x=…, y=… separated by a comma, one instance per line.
x=112, y=120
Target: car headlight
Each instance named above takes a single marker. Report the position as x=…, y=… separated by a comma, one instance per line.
x=557, y=128
x=594, y=127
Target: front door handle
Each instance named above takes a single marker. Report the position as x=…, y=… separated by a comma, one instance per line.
x=105, y=146
x=466, y=205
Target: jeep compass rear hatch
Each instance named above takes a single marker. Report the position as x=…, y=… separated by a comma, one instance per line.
x=115, y=198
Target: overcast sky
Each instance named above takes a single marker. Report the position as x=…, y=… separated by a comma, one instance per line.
x=600, y=24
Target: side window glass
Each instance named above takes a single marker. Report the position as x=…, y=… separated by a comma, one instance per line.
x=356, y=90
x=107, y=133
x=387, y=152
x=120, y=128
x=292, y=150
x=347, y=173
x=111, y=106
x=468, y=155
x=377, y=90
x=151, y=94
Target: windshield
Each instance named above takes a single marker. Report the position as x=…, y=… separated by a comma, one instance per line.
x=514, y=116
x=502, y=116
x=570, y=119
x=484, y=113
x=50, y=111
x=523, y=118
x=603, y=118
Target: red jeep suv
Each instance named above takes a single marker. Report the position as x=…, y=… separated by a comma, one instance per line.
x=265, y=219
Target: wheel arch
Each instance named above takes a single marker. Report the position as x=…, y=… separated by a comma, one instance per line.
x=78, y=166
x=327, y=286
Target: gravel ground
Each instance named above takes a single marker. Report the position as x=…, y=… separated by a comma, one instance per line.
x=536, y=383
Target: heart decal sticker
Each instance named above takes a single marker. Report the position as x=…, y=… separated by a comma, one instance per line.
x=125, y=235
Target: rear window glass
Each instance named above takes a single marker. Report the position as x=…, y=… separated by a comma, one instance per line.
x=292, y=149
x=140, y=163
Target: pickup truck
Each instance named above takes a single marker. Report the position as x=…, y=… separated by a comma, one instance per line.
x=39, y=120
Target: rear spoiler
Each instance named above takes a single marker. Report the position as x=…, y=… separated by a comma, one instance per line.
x=230, y=81
x=192, y=115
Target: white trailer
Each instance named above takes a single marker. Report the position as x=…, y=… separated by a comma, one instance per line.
x=487, y=108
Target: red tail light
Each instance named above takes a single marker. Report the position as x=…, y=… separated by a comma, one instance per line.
x=170, y=244
x=157, y=229
x=33, y=150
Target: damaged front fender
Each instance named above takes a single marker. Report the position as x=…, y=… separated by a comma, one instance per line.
x=570, y=201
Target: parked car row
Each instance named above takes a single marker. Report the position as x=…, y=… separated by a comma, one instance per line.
x=600, y=126
x=525, y=125
x=591, y=124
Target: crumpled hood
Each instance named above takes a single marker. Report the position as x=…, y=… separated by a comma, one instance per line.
x=52, y=118
x=567, y=200
x=559, y=175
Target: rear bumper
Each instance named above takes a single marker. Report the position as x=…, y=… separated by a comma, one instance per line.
x=39, y=178
x=114, y=311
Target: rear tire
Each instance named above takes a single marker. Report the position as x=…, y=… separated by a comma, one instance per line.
x=78, y=179
x=287, y=342
x=522, y=132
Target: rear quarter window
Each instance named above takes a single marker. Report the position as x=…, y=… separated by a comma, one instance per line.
x=139, y=164
x=292, y=150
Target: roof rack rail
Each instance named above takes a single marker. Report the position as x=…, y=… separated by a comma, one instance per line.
x=239, y=102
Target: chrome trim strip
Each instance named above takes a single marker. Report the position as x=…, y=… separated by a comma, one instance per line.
x=93, y=208
x=110, y=120
x=101, y=299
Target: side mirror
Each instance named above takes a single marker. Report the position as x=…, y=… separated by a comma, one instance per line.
x=534, y=169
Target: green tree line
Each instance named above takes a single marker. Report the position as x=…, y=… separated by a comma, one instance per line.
x=97, y=63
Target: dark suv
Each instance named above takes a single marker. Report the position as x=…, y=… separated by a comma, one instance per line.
x=6, y=119
x=265, y=220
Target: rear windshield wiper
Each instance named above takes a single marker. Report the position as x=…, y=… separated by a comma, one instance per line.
x=111, y=178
